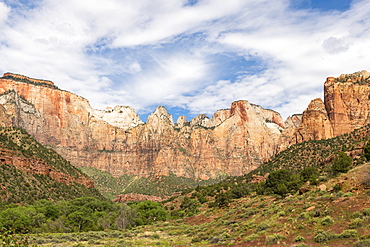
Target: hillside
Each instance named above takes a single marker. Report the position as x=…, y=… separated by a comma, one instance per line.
x=321, y=216
x=29, y=171
x=324, y=209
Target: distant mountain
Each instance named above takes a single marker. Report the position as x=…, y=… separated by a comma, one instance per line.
x=29, y=171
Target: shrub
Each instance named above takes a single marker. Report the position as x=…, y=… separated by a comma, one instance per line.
x=357, y=214
x=367, y=211
x=299, y=239
x=274, y=238
x=156, y=236
x=261, y=227
x=327, y=221
x=367, y=151
x=8, y=238
x=251, y=237
x=322, y=236
x=337, y=187
x=366, y=236
x=280, y=182
x=355, y=223
x=348, y=234
x=341, y=163
x=196, y=239
x=310, y=174
x=348, y=194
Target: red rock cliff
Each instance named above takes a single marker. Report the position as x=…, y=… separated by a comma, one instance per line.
x=234, y=141
x=346, y=107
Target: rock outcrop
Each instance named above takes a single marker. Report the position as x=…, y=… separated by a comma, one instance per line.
x=123, y=117
x=346, y=107
x=234, y=141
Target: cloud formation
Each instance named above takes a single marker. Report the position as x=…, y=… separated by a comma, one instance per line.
x=198, y=56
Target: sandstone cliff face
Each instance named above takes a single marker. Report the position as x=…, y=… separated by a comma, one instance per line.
x=234, y=141
x=315, y=123
x=346, y=107
x=347, y=101
x=123, y=117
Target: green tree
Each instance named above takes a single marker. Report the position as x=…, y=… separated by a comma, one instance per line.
x=79, y=219
x=278, y=177
x=280, y=182
x=17, y=219
x=341, y=163
x=149, y=212
x=309, y=174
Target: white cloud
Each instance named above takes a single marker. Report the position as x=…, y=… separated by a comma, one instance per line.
x=151, y=52
x=135, y=68
x=4, y=11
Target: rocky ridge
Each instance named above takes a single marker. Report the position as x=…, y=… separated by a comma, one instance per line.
x=234, y=141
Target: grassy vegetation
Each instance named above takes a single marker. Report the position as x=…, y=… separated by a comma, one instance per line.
x=315, y=218
x=315, y=194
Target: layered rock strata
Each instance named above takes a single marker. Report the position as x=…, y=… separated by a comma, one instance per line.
x=346, y=107
x=234, y=141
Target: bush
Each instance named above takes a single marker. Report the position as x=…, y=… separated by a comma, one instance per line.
x=367, y=211
x=274, y=238
x=299, y=239
x=156, y=236
x=348, y=234
x=8, y=238
x=251, y=237
x=280, y=182
x=261, y=227
x=337, y=187
x=310, y=174
x=322, y=236
x=355, y=223
x=327, y=221
x=341, y=163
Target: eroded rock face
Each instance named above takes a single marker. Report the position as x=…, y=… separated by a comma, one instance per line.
x=346, y=107
x=234, y=141
x=315, y=123
x=123, y=117
x=347, y=101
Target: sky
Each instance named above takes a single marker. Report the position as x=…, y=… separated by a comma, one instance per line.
x=191, y=56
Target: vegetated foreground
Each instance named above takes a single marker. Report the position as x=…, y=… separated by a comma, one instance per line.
x=323, y=216
x=322, y=200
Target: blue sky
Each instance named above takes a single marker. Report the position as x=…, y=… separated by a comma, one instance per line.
x=190, y=56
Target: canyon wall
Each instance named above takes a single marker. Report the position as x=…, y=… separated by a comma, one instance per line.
x=346, y=107
x=115, y=140
x=234, y=141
